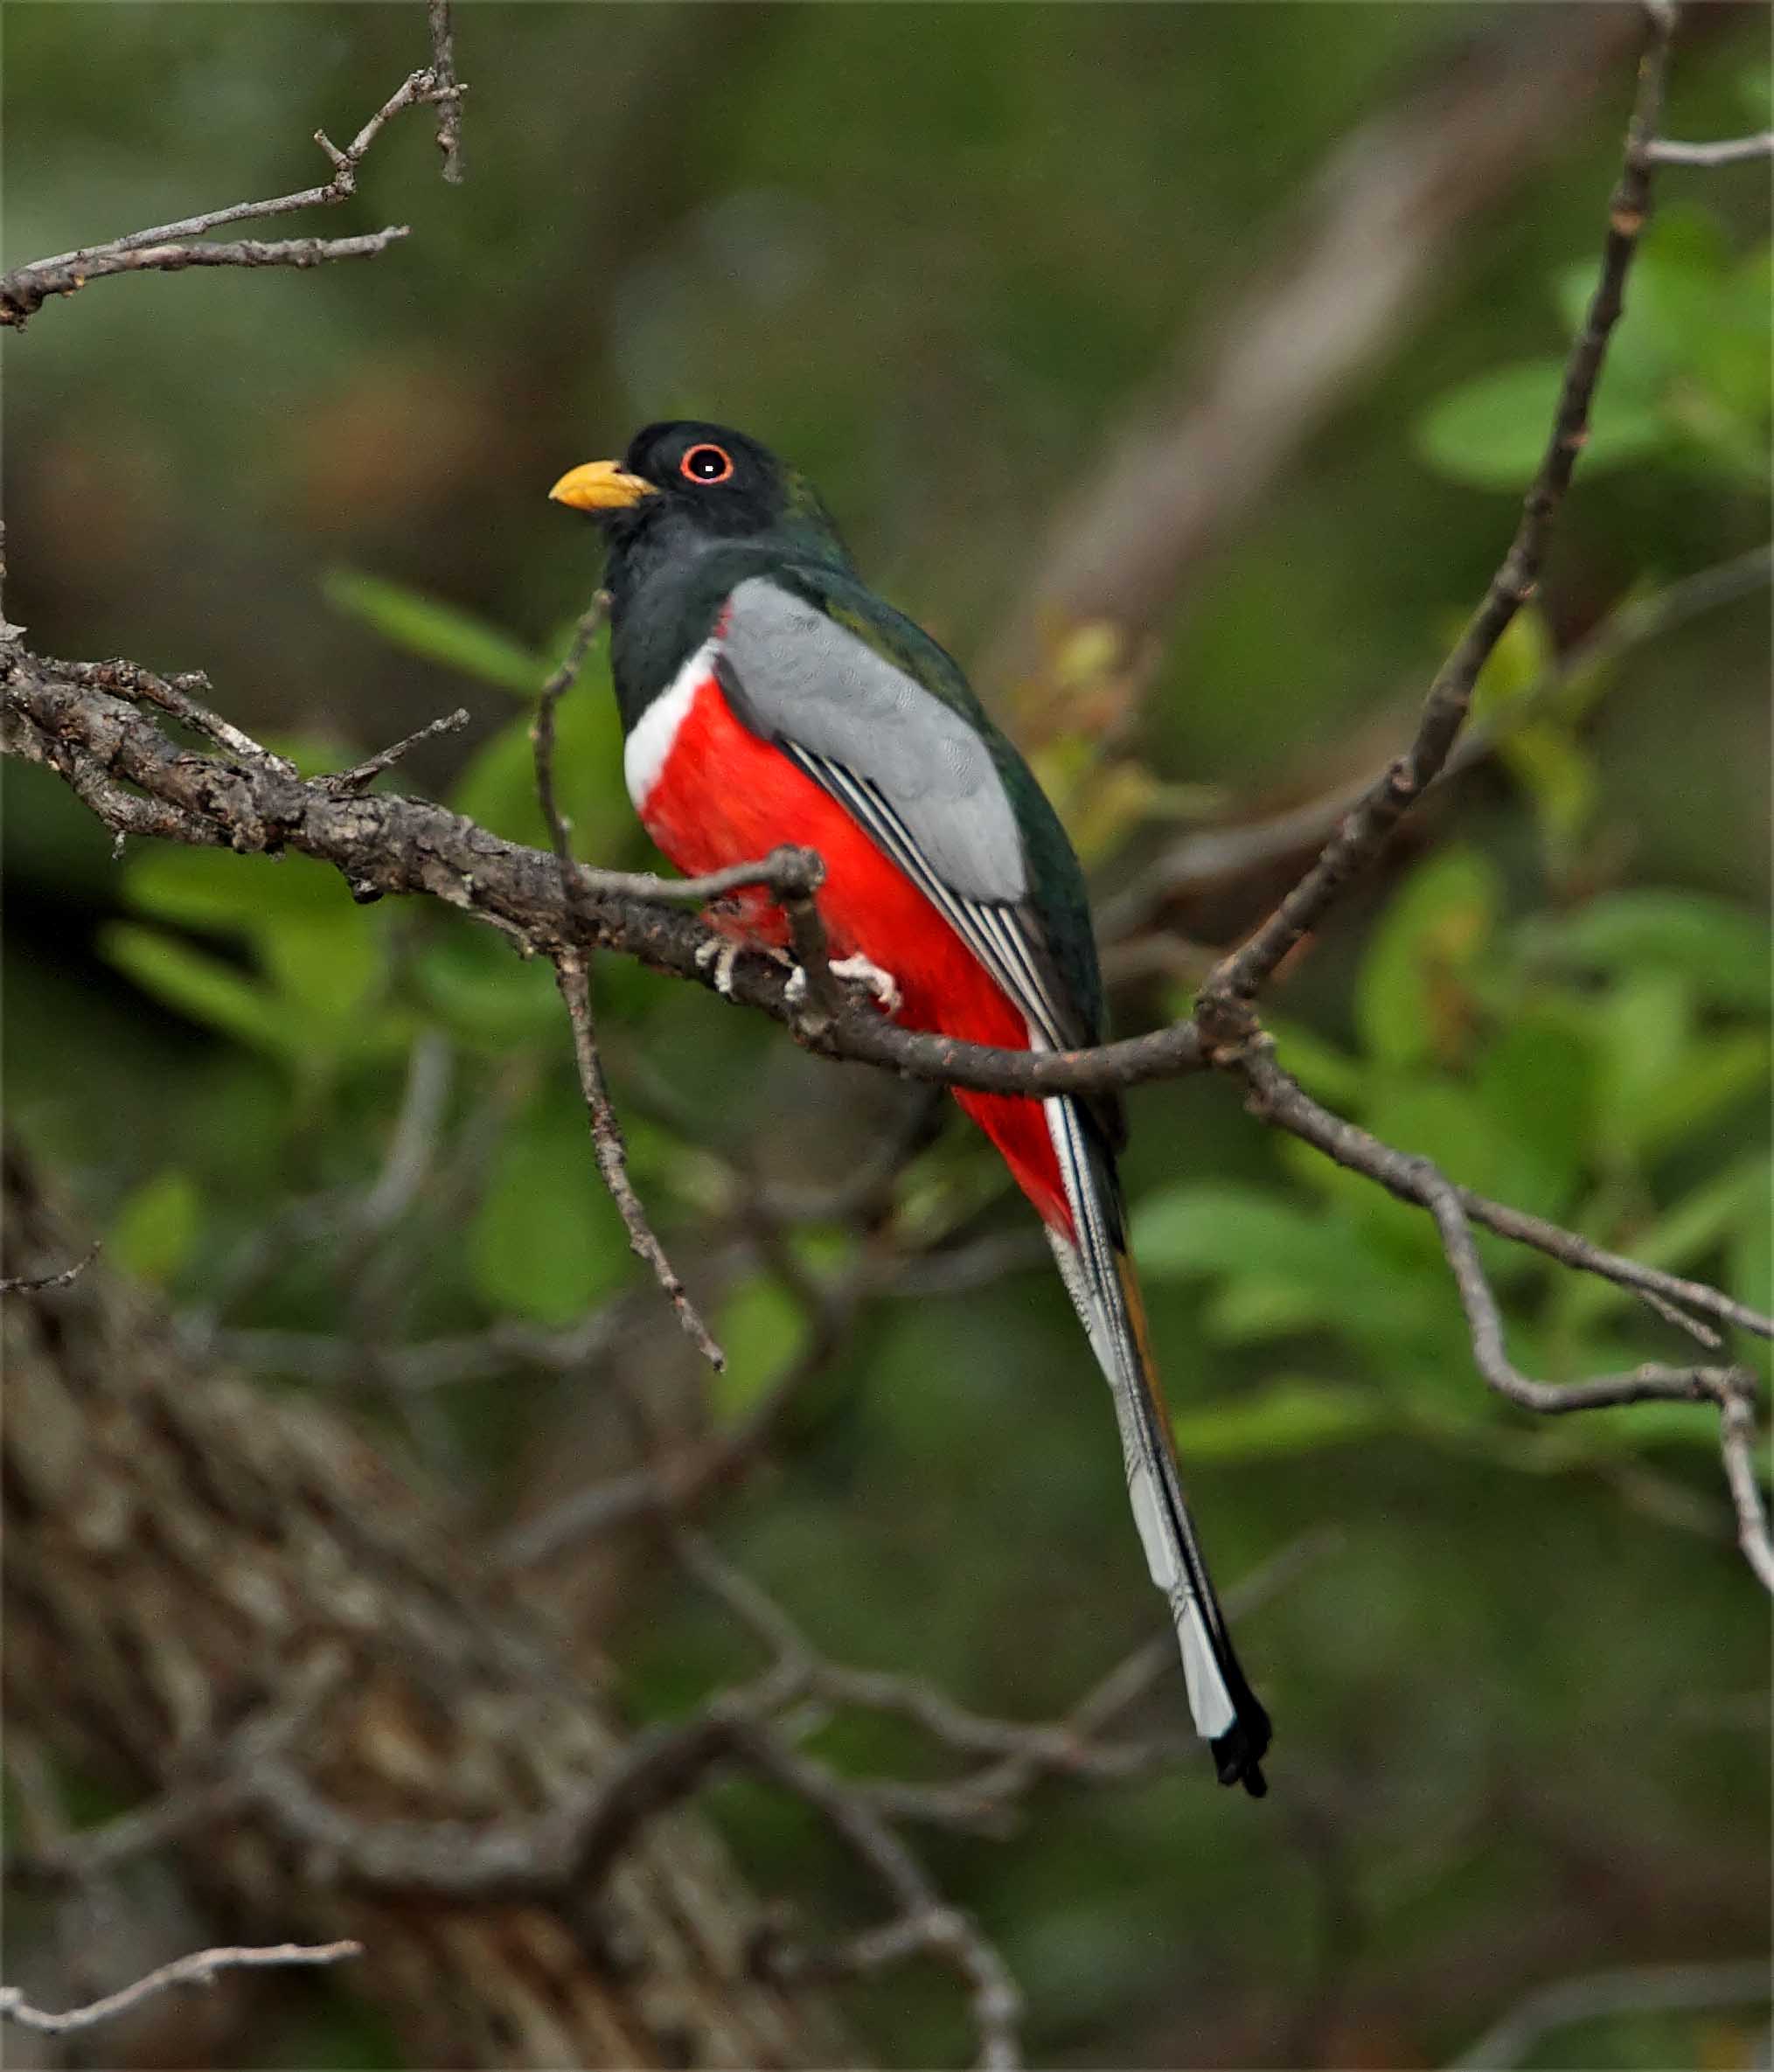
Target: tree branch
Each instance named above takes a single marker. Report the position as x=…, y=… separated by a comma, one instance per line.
x=1734, y=151
x=450, y=93
x=198, y=1969
x=571, y=974
x=165, y=247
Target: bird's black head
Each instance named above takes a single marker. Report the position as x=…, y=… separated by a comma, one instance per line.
x=696, y=484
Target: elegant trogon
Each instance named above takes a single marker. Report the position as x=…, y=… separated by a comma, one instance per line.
x=768, y=696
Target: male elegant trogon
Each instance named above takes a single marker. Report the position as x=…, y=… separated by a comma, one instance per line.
x=767, y=696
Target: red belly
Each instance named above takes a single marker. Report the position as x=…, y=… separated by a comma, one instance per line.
x=724, y=797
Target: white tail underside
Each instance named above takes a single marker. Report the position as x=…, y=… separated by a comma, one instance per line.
x=1096, y=1296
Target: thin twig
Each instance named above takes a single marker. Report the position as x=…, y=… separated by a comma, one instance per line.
x=361, y=775
x=165, y=246
x=1731, y=150
x=925, y=1922
x=22, y=294
x=449, y=92
x=41, y=1283
x=1737, y=1448
x=1648, y=1383
x=1225, y=1001
x=572, y=977
x=198, y=1969
x=178, y=698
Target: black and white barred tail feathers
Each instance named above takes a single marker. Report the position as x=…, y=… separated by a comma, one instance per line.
x=1100, y=1278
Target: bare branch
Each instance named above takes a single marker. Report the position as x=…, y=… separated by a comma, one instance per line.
x=1732, y=151
x=1276, y=1098
x=41, y=1283
x=24, y=292
x=166, y=249
x=1737, y=1448
x=571, y=974
x=1645, y=1384
x=448, y=91
x=361, y=775
x=925, y=1924
x=381, y=842
x=1225, y=1001
x=198, y=1969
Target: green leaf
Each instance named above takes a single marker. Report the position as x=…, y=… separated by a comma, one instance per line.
x=439, y=632
x=1648, y=1027
x=1559, y=776
x=1536, y=1085
x=547, y=1241
x=1206, y=1226
x=1543, y=754
x=1491, y=433
x=1752, y=1264
x=156, y=1228
x=1721, y=949
x=1289, y=1417
x=327, y=969
x=760, y=1327
x=1412, y=999
x=1286, y=1268
x=213, y=888
x=1521, y=659
x=1445, y=1123
x=217, y=995
x=1716, y=1074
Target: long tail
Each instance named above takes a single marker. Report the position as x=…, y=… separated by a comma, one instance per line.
x=1099, y=1276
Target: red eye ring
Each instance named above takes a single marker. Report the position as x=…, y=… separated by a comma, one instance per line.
x=707, y=464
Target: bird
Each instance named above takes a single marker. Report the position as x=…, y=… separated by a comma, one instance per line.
x=769, y=697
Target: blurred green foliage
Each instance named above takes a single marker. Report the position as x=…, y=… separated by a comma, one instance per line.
x=1558, y=1066
x=1687, y=383
x=937, y=256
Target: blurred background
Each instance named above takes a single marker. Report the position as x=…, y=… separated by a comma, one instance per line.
x=1180, y=368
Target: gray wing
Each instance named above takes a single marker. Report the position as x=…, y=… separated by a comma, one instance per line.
x=910, y=768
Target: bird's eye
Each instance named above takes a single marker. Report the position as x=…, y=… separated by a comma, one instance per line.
x=705, y=463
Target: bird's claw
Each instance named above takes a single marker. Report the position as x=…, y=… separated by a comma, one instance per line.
x=881, y=984
x=722, y=952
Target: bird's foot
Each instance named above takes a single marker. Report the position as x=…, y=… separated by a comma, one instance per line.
x=722, y=952
x=882, y=984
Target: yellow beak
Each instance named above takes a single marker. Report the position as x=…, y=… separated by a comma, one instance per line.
x=600, y=485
